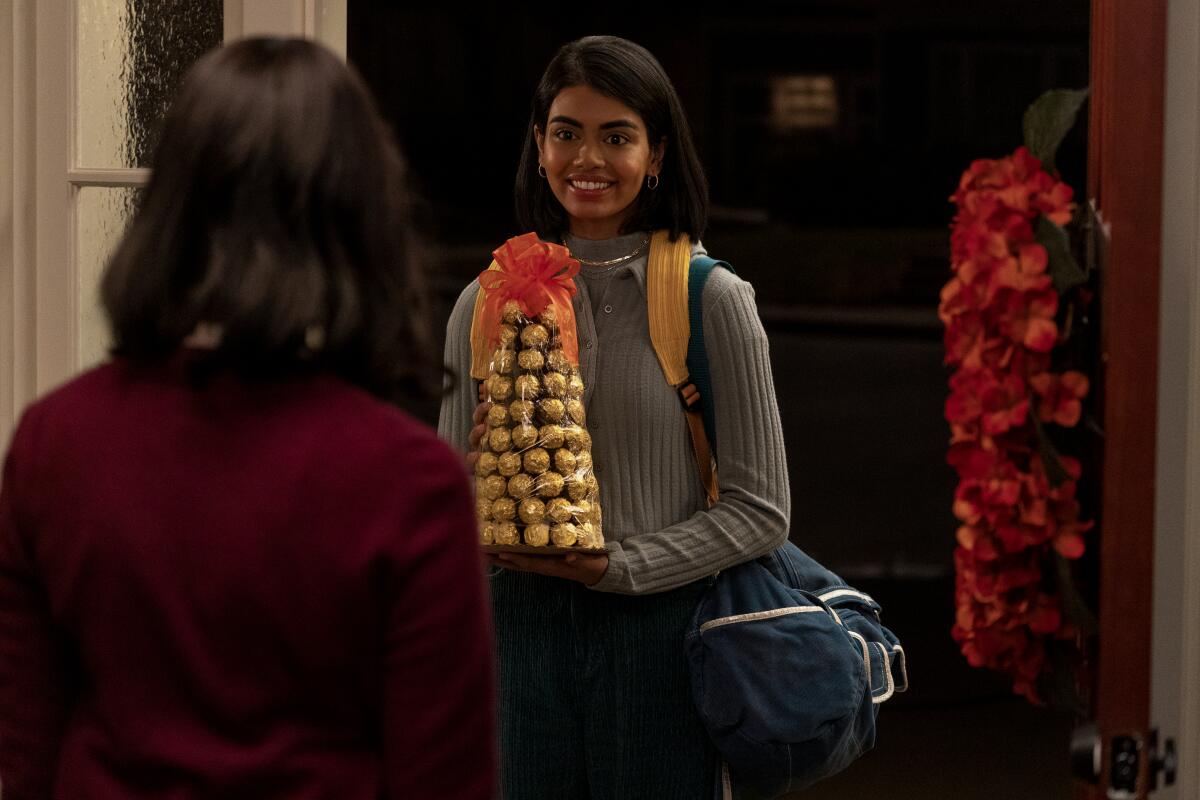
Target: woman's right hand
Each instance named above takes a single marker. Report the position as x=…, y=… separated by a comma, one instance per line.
x=477, y=432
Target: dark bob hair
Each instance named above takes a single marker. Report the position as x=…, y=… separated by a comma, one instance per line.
x=279, y=211
x=626, y=72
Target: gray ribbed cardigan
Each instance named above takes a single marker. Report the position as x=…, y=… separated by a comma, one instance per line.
x=659, y=535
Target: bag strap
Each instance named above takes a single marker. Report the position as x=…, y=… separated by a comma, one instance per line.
x=697, y=356
x=674, y=298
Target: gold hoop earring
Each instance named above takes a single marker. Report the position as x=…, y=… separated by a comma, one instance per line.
x=541, y=171
x=649, y=185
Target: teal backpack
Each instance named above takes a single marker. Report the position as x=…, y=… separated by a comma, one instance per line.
x=788, y=663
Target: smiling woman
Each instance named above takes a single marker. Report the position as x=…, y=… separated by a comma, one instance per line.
x=596, y=700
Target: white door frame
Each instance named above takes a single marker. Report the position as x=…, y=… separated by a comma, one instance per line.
x=39, y=306
x=1175, y=659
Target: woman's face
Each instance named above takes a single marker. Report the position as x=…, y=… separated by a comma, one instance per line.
x=596, y=154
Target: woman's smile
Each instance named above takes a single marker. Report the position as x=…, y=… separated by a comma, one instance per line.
x=587, y=186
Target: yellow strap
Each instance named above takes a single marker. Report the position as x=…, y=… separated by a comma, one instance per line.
x=481, y=352
x=667, y=303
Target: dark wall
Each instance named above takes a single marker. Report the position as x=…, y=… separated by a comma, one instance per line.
x=842, y=229
x=923, y=87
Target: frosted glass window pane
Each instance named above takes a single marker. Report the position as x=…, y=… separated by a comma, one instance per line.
x=101, y=215
x=130, y=58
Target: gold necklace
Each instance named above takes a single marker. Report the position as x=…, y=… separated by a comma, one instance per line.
x=612, y=262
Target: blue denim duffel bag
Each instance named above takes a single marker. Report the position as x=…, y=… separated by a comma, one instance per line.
x=788, y=667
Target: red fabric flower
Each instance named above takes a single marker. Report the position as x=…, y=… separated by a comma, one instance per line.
x=999, y=310
x=1027, y=318
x=1005, y=405
x=1060, y=396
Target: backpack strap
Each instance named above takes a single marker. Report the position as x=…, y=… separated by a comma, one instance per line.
x=667, y=304
x=674, y=297
x=697, y=356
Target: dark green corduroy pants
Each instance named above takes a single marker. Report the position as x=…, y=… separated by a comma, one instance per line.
x=595, y=701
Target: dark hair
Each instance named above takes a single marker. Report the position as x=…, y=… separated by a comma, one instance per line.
x=278, y=209
x=629, y=73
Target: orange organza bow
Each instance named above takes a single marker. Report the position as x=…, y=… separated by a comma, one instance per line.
x=536, y=274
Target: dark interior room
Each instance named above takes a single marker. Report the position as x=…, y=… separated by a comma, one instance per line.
x=833, y=134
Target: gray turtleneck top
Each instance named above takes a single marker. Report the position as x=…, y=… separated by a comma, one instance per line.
x=659, y=535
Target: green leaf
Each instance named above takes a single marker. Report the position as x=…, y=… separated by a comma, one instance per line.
x=1055, y=471
x=1064, y=269
x=1075, y=609
x=1048, y=120
x=1059, y=685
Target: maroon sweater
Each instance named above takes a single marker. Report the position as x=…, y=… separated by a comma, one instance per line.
x=240, y=591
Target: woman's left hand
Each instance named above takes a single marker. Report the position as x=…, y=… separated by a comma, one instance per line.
x=586, y=568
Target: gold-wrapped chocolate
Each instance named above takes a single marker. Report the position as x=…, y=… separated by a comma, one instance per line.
x=552, y=409
x=499, y=439
x=532, y=510
x=534, y=485
x=486, y=464
x=502, y=361
x=549, y=484
x=558, y=510
x=573, y=438
x=504, y=509
x=506, y=533
x=511, y=312
x=589, y=536
x=535, y=335
x=558, y=361
x=483, y=508
x=519, y=486
x=577, y=487
x=563, y=535
x=537, y=461
x=564, y=461
x=500, y=387
x=551, y=436
x=537, y=535
x=531, y=360
x=528, y=387
x=494, y=487
x=555, y=384
x=508, y=464
x=575, y=411
x=497, y=415
x=522, y=411
x=524, y=436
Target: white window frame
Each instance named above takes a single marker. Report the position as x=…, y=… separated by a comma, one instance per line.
x=39, y=182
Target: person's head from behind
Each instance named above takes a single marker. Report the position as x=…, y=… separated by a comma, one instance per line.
x=278, y=212
x=608, y=149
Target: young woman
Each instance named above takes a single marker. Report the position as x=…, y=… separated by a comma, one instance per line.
x=595, y=699
x=229, y=567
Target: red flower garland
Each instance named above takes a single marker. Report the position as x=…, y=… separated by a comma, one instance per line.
x=999, y=312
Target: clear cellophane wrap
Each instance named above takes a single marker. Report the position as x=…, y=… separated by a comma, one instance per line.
x=535, y=484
